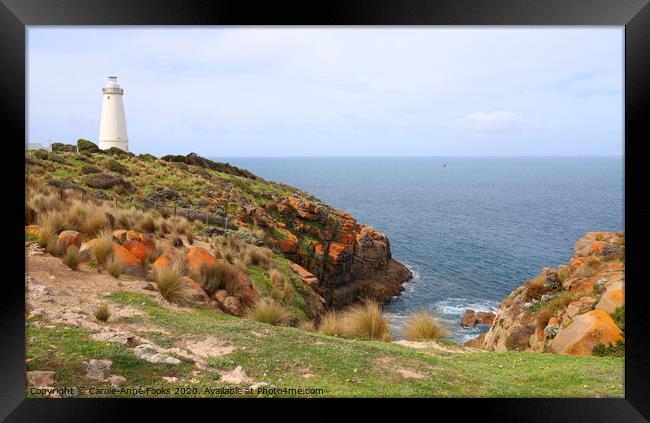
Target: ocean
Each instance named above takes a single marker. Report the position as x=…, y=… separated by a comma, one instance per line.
x=470, y=229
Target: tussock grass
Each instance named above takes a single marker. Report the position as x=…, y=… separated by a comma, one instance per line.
x=72, y=258
x=171, y=286
x=114, y=266
x=257, y=256
x=267, y=311
x=332, y=324
x=307, y=325
x=55, y=246
x=102, y=313
x=219, y=275
x=102, y=249
x=50, y=224
x=366, y=321
x=278, y=279
x=422, y=325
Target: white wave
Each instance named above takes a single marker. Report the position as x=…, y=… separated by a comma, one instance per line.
x=457, y=306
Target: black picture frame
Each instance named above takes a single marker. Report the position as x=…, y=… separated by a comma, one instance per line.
x=15, y=15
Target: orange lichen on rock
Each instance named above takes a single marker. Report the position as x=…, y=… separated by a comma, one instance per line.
x=33, y=229
x=139, y=249
x=586, y=331
x=198, y=257
x=70, y=238
x=125, y=256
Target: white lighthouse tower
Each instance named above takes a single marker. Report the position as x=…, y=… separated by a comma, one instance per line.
x=112, y=129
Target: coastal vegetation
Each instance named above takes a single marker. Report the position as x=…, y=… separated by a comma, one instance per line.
x=200, y=275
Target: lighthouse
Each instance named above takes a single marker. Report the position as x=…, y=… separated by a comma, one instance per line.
x=112, y=129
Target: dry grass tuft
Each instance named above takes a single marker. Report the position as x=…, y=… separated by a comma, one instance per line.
x=72, y=258
x=114, y=266
x=102, y=313
x=307, y=325
x=366, y=321
x=219, y=275
x=267, y=311
x=332, y=324
x=102, y=249
x=170, y=285
x=422, y=325
x=257, y=256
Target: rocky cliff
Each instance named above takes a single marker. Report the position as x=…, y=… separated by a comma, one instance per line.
x=575, y=309
x=338, y=257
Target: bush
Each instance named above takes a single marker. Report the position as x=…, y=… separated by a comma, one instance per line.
x=102, y=313
x=366, y=321
x=72, y=258
x=619, y=317
x=171, y=285
x=102, y=181
x=332, y=324
x=88, y=169
x=115, y=266
x=57, y=146
x=85, y=146
x=267, y=311
x=535, y=288
x=219, y=275
x=115, y=166
x=612, y=350
x=422, y=325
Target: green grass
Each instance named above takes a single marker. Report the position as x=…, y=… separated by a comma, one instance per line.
x=341, y=367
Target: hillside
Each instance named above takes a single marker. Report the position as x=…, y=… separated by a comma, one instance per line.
x=347, y=260
x=575, y=309
x=188, y=277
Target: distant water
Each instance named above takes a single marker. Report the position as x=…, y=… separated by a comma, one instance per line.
x=472, y=231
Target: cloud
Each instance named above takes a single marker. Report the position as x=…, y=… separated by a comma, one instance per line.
x=497, y=121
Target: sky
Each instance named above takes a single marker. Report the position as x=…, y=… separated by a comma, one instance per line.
x=334, y=91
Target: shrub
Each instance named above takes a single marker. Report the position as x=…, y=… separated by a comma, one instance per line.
x=88, y=169
x=49, y=227
x=619, y=317
x=115, y=166
x=103, y=181
x=535, y=288
x=219, y=275
x=171, y=286
x=270, y=312
x=72, y=258
x=87, y=146
x=102, y=249
x=115, y=266
x=366, y=320
x=422, y=325
x=612, y=350
x=102, y=313
x=331, y=324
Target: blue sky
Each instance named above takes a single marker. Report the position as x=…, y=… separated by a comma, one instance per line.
x=355, y=91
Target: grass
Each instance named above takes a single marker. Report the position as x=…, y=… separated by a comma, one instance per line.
x=72, y=258
x=102, y=313
x=332, y=324
x=256, y=256
x=114, y=266
x=366, y=321
x=619, y=317
x=268, y=311
x=341, y=367
x=219, y=275
x=422, y=325
x=102, y=249
x=170, y=285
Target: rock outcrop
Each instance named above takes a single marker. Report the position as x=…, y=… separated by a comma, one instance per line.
x=568, y=310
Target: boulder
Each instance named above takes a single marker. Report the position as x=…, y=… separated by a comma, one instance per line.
x=485, y=318
x=97, y=369
x=70, y=238
x=469, y=319
x=198, y=257
x=612, y=298
x=305, y=275
x=117, y=381
x=196, y=287
x=41, y=378
x=139, y=249
x=163, y=262
x=476, y=342
x=587, y=330
x=126, y=256
x=579, y=306
x=232, y=305
x=220, y=295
